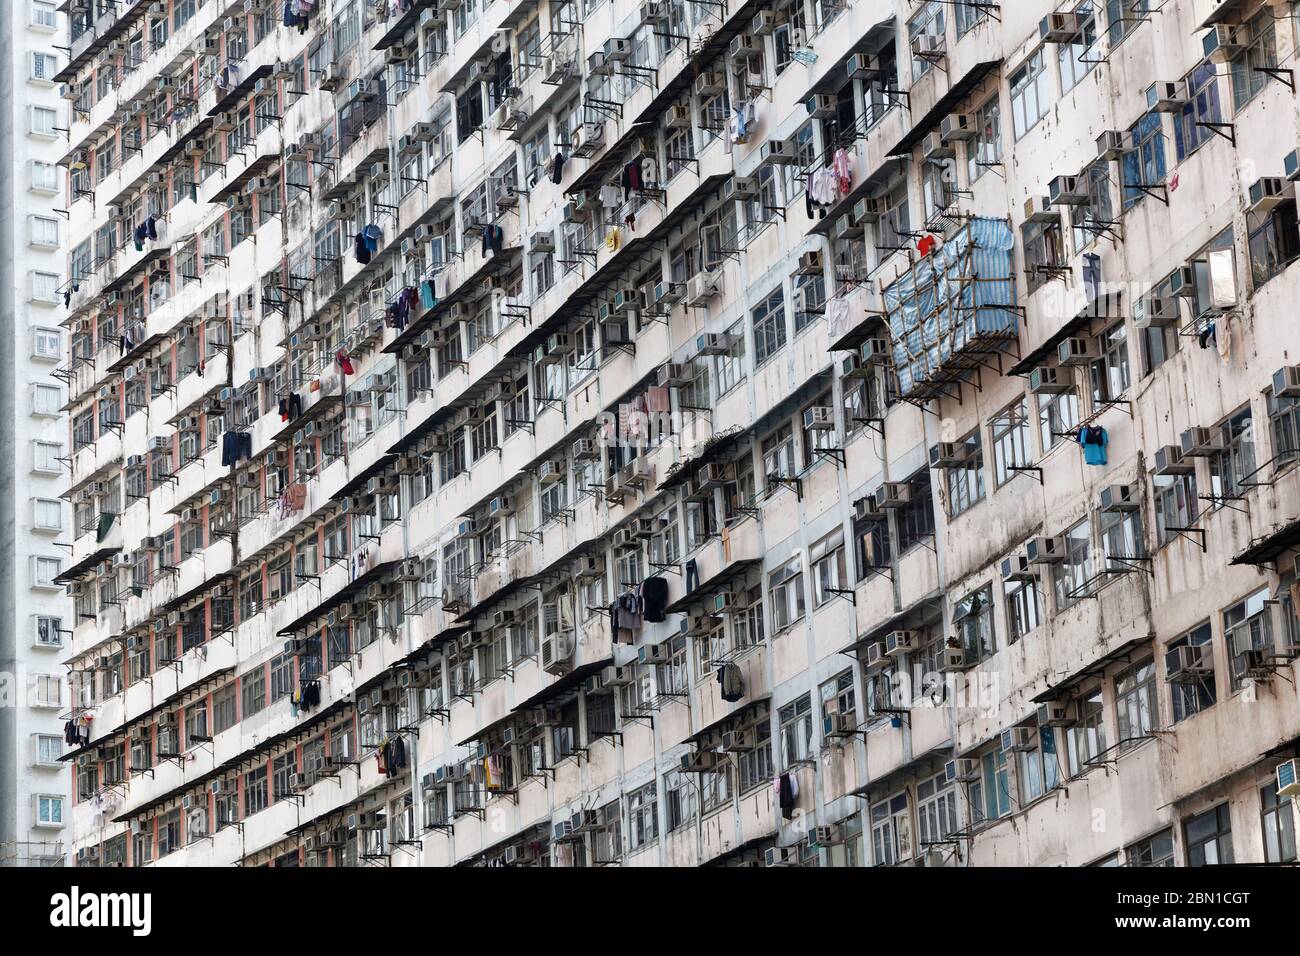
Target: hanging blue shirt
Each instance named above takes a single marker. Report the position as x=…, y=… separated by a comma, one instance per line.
x=1093, y=439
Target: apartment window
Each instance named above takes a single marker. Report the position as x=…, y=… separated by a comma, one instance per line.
x=985, y=149
x=1236, y=463
x=1156, y=850
x=1143, y=167
x=891, y=831
x=1044, y=251
x=785, y=588
x=1009, y=437
x=45, y=570
x=969, y=15
x=44, y=67
x=1135, y=700
x=253, y=691
x=838, y=697
x=42, y=121
x=642, y=817
x=1124, y=16
x=796, y=731
x=1030, y=96
x=49, y=749
x=1284, y=428
x=679, y=791
x=1277, y=820
x=915, y=520
x=1176, y=504
x=1109, y=374
x=47, y=690
x=1122, y=541
x=45, y=457
x=46, y=400
x=973, y=618
x=1086, y=738
x=755, y=766
x=1024, y=608
x=769, y=327
x=1095, y=216
x=715, y=788
x=47, y=514
x=255, y=791
x=44, y=231
x=929, y=22
x=1071, y=576
x=1076, y=58
x=826, y=559
x=1038, y=770
x=45, y=177
x=1058, y=418
x=966, y=481
x=1203, y=107
x=1209, y=837
x=1247, y=626
x=1192, y=697
x=730, y=368
x=778, y=454
x=49, y=631
x=1274, y=240
x=43, y=15
x=49, y=810
x=990, y=796
x=1259, y=37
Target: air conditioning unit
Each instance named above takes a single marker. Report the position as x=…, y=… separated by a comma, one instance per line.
x=819, y=418
x=654, y=11
x=1199, y=442
x=935, y=149
x=899, y=642
x=714, y=343
x=838, y=725
x=821, y=106
x=953, y=659
x=675, y=375
x=1286, y=382
x=765, y=23
x=653, y=654
x=777, y=152
x=893, y=494
x=679, y=117
x=962, y=770
x=738, y=741
x=1055, y=713
x=1047, y=381
x=1060, y=28
x=1039, y=209
x=958, y=126
x=1166, y=97
x=745, y=46
x=1114, y=144
x=928, y=46
x=741, y=187
x=1075, y=351
x=870, y=209
x=551, y=471
x=1188, y=663
x=701, y=288
x=1017, y=568
x=1018, y=739
x=542, y=243
x=710, y=83
x=1067, y=191
x=1169, y=460
x=1288, y=778
x=948, y=454
x=700, y=761
x=1221, y=43
x=1157, y=312
x=863, y=66
x=811, y=263
x=557, y=653
x=1267, y=193
x=1119, y=498
x=1045, y=550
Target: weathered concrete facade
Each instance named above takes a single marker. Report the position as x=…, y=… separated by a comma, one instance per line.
x=673, y=434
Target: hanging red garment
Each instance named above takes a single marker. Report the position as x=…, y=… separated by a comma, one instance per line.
x=926, y=245
x=345, y=362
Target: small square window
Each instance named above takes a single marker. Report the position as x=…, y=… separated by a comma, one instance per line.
x=45, y=288
x=47, y=514
x=45, y=177
x=44, y=15
x=44, y=67
x=47, y=344
x=49, y=810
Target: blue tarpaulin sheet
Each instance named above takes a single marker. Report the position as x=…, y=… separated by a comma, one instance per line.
x=960, y=296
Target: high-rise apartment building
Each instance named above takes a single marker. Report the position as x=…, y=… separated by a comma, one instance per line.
x=664, y=433
x=34, y=800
